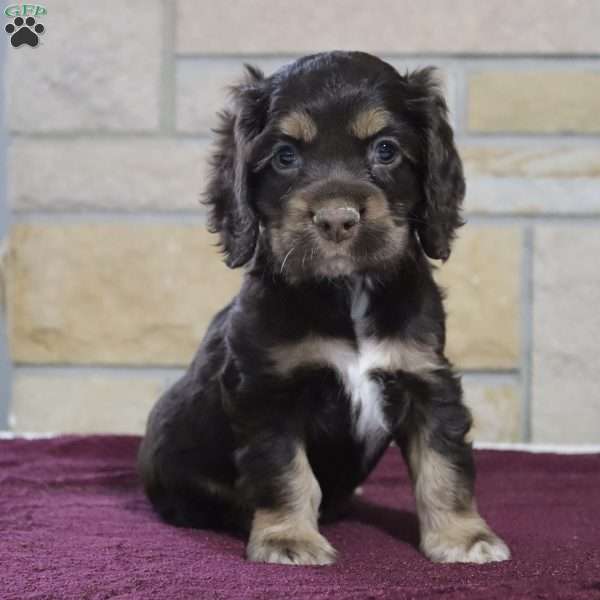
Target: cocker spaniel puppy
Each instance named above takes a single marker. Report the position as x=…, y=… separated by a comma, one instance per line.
x=332, y=181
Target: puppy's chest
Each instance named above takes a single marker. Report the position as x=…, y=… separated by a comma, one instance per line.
x=354, y=361
x=354, y=367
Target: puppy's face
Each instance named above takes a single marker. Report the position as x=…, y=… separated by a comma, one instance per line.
x=332, y=159
x=335, y=180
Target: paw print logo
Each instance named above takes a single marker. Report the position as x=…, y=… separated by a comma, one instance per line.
x=24, y=32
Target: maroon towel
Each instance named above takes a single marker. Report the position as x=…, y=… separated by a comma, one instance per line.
x=75, y=524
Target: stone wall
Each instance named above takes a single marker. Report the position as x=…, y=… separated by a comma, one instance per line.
x=110, y=277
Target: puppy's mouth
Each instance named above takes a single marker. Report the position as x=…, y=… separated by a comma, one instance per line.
x=338, y=265
x=309, y=257
x=336, y=229
x=308, y=254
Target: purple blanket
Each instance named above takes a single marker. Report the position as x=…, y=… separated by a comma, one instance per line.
x=75, y=524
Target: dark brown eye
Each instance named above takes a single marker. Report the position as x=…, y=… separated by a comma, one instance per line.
x=386, y=152
x=286, y=157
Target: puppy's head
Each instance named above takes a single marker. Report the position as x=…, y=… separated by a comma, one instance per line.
x=340, y=163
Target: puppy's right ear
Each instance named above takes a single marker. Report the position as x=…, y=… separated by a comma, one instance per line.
x=227, y=195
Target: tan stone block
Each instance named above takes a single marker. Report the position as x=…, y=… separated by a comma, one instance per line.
x=534, y=101
x=482, y=284
x=427, y=26
x=82, y=402
x=566, y=322
x=126, y=175
x=127, y=293
x=3, y=253
x=496, y=410
x=144, y=293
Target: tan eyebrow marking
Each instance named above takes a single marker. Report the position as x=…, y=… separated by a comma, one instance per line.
x=369, y=122
x=299, y=125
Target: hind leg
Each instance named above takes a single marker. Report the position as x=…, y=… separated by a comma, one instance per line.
x=185, y=498
x=186, y=464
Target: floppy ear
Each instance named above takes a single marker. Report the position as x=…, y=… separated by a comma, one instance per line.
x=438, y=215
x=227, y=193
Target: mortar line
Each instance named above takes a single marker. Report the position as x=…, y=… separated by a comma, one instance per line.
x=198, y=216
x=518, y=139
x=510, y=376
x=527, y=333
x=540, y=136
x=5, y=363
x=71, y=369
x=581, y=220
x=526, y=141
x=100, y=135
x=471, y=373
x=113, y=217
x=499, y=58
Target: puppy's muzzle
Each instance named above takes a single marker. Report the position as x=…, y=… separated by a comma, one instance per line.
x=337, y=224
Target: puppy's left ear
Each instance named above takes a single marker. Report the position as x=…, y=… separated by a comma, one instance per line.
x=228, y=194
x=438, y=215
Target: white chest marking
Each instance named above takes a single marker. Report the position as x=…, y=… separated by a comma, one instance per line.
x=354, y=365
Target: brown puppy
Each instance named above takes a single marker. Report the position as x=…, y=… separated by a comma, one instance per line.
x=332, y=180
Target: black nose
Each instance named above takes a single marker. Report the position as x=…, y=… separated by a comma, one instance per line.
x=337, y=224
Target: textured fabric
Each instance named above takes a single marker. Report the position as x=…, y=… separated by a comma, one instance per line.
x=74, y=523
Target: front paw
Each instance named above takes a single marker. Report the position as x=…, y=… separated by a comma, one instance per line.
x=452, y=546
x=291, y=548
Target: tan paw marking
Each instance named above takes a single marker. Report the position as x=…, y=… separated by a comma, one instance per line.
x=483, y=548
x=309, y=549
